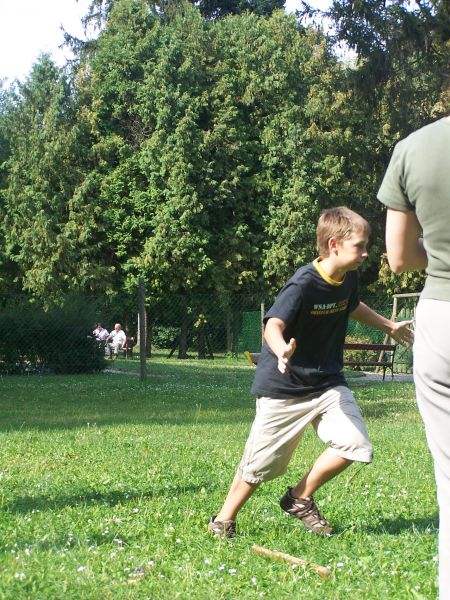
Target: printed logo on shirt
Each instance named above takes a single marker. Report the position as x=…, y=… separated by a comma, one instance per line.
x=330, y=308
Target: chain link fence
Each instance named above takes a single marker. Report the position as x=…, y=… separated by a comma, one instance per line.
x=61, y=338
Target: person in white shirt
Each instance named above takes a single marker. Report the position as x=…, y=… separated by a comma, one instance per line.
x=100, y=333
x=115, y=341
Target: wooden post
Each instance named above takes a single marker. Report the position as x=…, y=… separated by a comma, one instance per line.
x=395, y=315
x=142, y=340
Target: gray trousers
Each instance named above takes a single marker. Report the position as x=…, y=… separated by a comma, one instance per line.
x=432, y=379
x=114, y=346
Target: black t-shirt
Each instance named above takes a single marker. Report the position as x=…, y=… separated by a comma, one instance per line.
x=316, y=310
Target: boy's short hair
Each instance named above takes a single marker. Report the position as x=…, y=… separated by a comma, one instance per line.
x=339, y=222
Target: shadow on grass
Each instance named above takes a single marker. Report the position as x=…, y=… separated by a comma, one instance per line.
x=235, y=415
x=382, y=409
x=398, y=525
x=178, y=395
x=27, y=504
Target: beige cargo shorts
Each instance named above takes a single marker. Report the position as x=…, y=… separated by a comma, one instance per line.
x=279, y=425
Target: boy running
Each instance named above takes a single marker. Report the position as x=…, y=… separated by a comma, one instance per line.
x=299, y=377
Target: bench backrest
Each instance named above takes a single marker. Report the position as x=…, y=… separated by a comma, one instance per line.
x=362, y=346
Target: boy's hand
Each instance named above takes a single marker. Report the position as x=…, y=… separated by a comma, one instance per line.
x=402, y=334
x=286, y=354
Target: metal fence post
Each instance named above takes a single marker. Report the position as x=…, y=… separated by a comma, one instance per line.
x=142, y=330
x=262, y=322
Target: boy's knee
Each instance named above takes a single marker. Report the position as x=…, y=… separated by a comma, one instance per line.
x=359, y=449
x=261, y=474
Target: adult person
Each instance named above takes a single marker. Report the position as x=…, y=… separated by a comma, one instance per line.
x=116, y=340
x=416, y=191
x=100, y=333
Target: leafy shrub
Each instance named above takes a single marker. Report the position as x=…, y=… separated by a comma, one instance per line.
x=57, y=340
x=163, y=337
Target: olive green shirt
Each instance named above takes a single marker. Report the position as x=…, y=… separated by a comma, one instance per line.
x=418, y=179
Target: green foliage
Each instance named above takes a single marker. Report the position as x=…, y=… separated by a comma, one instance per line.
x=220, y=8
x=391, y=283
x=49, y=233
x=164, y=337
x=198, y=152
x=49, y=341
x=403, y=53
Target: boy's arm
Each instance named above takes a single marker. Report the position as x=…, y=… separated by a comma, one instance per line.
x=273, y=336
x=398, y=331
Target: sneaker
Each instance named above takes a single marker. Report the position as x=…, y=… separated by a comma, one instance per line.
x=225, y=529
x=306, y=510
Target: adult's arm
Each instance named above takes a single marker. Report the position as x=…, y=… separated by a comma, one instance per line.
x=404, y=244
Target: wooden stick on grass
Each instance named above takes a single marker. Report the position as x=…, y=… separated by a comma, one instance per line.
x=324, y=572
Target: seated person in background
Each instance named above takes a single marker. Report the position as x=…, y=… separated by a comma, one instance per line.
x=116, y=340
x=100, y=333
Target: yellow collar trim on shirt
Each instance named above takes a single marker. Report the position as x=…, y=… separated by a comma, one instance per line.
x=322, y=273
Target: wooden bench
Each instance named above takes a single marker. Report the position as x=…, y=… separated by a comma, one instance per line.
x=384, y=355
x=127, y=348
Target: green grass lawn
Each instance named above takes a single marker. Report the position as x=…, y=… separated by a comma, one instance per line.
x=107, y=485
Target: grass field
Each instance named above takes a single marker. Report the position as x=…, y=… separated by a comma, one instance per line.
x=107, y=485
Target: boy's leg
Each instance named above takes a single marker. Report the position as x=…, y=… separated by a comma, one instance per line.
x=240, y=491
x=224, y=523
x=327, y=466
x=276, y=431
x=298, y=501
x=340, y=425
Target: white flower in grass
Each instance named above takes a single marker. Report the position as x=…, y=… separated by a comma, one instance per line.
x=207, y=561
x=178, y=541
x=339, y=565
x=19, y=576
x=81, y=569
x=135, y=510
x=254, y=580
x=221, y=567
x=232, y=571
